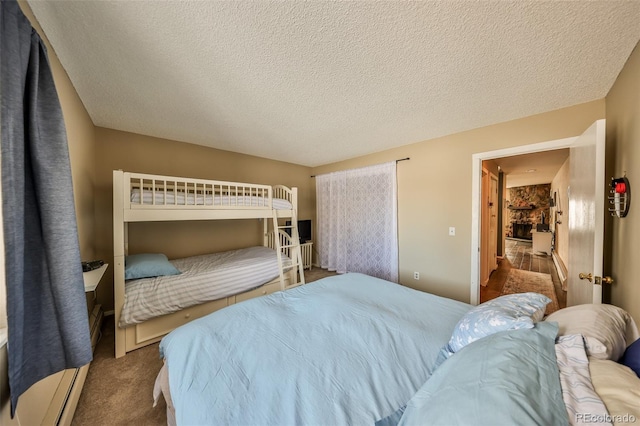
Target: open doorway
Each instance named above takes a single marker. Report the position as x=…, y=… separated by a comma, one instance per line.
x=583, y=210
x=488, y=159
x=531, y=243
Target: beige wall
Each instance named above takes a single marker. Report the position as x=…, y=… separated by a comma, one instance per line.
x=144, y=154
x=623, y=141
x=559, y=185
x=434, y=192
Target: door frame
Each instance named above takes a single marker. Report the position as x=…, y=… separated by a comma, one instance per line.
x=484, y=226
x=493, y=257
x=476, y=198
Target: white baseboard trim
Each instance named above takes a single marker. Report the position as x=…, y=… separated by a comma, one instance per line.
x=560, y=268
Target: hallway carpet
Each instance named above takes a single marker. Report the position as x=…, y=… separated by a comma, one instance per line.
x=519, y=255
x=519, y=281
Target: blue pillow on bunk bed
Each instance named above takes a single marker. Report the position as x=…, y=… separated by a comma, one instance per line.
x=148, y=265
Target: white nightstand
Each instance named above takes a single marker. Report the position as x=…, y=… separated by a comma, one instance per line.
x=92, y=278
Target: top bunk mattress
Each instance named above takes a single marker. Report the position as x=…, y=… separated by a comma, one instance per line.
x=192, y=199
x=203, y=278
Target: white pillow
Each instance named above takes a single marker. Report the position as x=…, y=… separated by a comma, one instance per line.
x=618, y=387
x=607, y=329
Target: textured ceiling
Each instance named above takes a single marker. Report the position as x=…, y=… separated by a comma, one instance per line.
x=316, y=82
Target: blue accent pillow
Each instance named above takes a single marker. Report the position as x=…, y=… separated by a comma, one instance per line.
x=631, y=357
x=509, y=312
x=148, y=265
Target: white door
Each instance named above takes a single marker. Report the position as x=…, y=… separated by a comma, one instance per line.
x=586, y=216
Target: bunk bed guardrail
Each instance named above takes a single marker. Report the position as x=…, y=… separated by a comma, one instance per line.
x=286, y=242
x=153, y=191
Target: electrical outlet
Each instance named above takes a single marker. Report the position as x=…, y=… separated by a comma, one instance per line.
x=452, y=231
x=416, y=275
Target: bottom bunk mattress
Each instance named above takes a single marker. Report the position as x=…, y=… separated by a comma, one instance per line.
x=349, y=349
x=202, y=279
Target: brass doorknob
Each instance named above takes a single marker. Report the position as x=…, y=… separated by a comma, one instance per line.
x=584, y=276
x=607, y=280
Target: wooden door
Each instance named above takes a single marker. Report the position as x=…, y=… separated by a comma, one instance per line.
x=492, y=260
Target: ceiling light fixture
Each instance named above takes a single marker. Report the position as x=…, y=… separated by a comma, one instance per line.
x=532, y=170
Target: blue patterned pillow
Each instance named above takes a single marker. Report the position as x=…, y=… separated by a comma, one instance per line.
x=509, y=312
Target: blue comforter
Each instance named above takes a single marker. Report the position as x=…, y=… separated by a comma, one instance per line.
x=349, y=349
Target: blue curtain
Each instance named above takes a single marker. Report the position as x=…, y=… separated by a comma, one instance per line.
x=46, y=305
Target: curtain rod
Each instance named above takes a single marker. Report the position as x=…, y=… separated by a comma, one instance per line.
x=401, y=159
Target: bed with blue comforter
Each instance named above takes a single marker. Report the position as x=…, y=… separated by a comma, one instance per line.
x=357, y=350
x=345, y=350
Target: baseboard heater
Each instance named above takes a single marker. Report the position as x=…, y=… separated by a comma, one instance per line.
x=307, y=255
x=73, y=380
x=560, y=268
x=65, y=399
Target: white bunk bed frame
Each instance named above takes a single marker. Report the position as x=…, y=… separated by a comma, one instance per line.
x=177, y=198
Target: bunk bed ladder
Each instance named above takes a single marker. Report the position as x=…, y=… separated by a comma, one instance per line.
x=292, y=247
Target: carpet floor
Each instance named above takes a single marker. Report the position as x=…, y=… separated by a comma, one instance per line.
x=120, y=391
x=519, y=281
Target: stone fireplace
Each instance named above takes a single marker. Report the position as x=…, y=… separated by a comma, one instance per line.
x=521, y=230
x=528, y=205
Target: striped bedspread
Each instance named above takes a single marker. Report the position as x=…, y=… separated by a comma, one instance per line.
x=205, y=200
x=202, y=279
x=578, y=392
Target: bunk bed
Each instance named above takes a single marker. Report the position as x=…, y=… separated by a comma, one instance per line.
x=139, y=197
